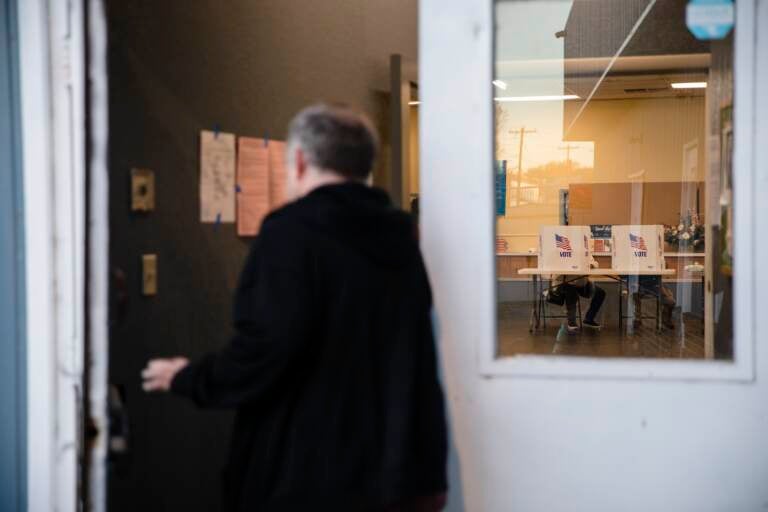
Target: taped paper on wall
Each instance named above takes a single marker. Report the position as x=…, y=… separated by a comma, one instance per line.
x=253, y=185
x=277, y=174
x=217, y=177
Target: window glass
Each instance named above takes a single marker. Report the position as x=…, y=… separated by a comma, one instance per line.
x=613, y=180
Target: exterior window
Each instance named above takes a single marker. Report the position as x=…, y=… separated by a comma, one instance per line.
x=613, y=180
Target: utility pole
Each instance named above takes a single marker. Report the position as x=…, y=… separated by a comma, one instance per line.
x=522, y=131
x=567, y=148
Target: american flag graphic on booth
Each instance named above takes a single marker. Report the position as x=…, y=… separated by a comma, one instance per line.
x=562, y=242
x=637, y=242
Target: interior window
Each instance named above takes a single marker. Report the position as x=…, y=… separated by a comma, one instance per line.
x=613, y=143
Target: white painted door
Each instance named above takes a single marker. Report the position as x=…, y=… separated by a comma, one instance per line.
x=552, y=433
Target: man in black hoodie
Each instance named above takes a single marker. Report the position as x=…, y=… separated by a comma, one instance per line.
x=333, y=368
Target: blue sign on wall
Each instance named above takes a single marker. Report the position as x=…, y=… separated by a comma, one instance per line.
x=501, y=187
x=709, y=19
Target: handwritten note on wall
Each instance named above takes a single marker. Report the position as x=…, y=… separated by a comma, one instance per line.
x=217, y=177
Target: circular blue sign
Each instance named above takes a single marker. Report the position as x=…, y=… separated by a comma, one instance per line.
x=709, y=19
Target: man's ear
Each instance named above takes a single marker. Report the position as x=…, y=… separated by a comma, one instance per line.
x=301, y=163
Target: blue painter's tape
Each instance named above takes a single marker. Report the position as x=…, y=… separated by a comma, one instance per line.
x=238, y=189
x=266, y=139
x=216, y=130
x=218, y=221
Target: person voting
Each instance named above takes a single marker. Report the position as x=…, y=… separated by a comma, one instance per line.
x=566, y=248
x=571, y=290
x=641, y=247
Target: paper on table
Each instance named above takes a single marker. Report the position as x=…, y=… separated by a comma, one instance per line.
x=253, y=185
x=217, y=177
x=277, y=174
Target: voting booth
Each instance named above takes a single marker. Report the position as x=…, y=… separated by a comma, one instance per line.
x=638, y=247
x=564, y=247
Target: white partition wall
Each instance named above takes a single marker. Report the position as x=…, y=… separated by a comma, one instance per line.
x=586, y=435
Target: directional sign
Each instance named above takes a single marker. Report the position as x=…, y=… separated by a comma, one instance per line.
x=501, y=187
x=709, y=19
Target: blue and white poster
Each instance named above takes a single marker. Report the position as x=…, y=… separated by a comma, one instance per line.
x=709, y=19
x=501, y=187
x=600, y=230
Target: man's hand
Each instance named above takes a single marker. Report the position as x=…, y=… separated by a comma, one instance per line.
x=160, y=372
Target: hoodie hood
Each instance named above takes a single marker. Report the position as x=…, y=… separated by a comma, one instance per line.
x=364, y=219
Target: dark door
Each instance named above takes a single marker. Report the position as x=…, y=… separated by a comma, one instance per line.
x=167, y=455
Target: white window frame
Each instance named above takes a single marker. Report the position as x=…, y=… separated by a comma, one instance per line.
x=459, y=196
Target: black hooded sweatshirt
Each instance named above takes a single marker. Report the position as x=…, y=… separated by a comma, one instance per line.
x=333, y=369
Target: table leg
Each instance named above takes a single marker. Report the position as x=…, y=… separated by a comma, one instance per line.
x=621, y=305
x=542, y=318
x=532, y=319
x=658, y=306
x=703, y=306
x=536, y=303
x=543, y=310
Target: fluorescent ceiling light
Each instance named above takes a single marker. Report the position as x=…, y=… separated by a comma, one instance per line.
x=500, y=84
x=689, y=85
x=414, y=103
x=559, y=97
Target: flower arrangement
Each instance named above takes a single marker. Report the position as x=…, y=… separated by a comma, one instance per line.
x=689, y=232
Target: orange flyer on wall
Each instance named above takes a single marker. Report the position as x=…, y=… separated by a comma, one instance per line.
x=253, y=190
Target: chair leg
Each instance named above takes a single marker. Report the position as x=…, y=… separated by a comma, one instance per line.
x=658, y=310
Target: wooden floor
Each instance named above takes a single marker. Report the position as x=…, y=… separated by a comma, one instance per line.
x=686, y=341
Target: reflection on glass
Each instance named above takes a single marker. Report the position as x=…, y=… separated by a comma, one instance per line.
x=612, y=137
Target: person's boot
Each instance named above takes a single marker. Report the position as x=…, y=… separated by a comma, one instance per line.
x=637, y=322
x=666, y=317
x=592, y=324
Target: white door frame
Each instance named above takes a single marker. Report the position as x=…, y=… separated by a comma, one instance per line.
x=51, y=36
x=98, y=270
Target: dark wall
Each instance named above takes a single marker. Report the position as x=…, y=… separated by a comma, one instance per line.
x=177, y=67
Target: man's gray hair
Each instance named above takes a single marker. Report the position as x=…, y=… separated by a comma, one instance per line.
x=335, y=138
